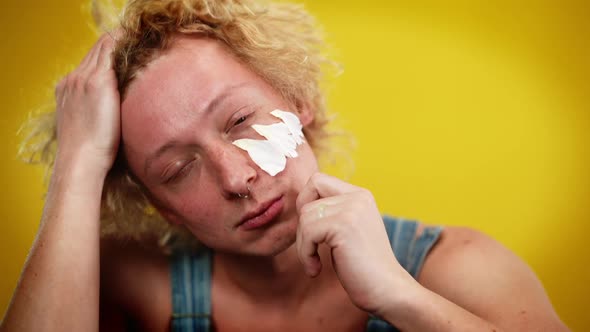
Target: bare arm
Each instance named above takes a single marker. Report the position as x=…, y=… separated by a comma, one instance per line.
x=59, y=286
x=472, y=283
x=60, y=279
x=469, y=282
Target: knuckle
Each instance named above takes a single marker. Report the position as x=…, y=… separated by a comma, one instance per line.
x=315, y=178
x=305, y=232
x=349, y=215
x=366, y=195
x=67, y=81
x=62, y=82
x=108, y=39
x=93, y=82
x=103, y=37
x=305, y=209
x=108, y=36
x=304, y=221
x=59, y=87
x=75, y=82
x=299, y=203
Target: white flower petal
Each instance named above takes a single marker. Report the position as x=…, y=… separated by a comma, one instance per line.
x=292, y=122
x=264, y=154
x=278, y=134
x=281, y=141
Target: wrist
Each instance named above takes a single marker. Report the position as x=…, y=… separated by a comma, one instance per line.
x=83, y=161
x=404, y=306
x=78, y=173
x=74, y=194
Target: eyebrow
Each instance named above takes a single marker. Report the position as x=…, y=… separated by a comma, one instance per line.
x=213, y=104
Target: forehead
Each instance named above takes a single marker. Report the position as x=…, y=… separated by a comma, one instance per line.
x=176, y=86
x=187, y=75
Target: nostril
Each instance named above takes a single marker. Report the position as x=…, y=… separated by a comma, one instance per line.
x=236, y=172
x=244, y=195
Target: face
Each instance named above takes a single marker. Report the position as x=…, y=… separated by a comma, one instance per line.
x=179, y=119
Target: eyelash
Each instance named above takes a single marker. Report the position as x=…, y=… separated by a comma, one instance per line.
x=240, y=120
x=180, y=174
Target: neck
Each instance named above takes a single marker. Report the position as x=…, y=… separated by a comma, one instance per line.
x=271, y=279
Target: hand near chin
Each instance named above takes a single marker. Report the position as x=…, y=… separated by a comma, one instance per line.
x=346, y=219
x=88, y=110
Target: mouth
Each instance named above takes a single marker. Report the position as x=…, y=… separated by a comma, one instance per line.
x=262, y=215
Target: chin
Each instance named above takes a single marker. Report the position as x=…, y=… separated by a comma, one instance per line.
x=282, y=237
x=274, y=242
x=282, y=245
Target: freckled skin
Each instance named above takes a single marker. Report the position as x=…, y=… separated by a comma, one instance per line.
x=166, y=103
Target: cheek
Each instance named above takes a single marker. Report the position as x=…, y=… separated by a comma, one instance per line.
x=197, y=208
x=190, y=207
x=304, y=166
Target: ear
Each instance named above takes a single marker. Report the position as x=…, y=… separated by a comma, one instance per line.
x=305, y=112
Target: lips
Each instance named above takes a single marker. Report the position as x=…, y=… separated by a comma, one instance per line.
x=262, y=215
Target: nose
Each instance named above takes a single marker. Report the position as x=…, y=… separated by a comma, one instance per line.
x=234, y=169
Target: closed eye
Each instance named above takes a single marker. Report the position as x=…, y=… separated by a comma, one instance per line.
x=180, y=174
x=237, y=122
x=240, y=116
x=240, y=120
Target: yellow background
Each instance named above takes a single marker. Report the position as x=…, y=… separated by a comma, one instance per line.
x=464, y=113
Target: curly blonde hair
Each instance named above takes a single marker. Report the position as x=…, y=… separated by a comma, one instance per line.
x=278, y=41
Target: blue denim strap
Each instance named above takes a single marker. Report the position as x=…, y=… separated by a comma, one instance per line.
x=409, y=251
x=191, y=292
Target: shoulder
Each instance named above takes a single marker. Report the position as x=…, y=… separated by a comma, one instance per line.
x=479, y=274
x=135, y=286
x=465, y=254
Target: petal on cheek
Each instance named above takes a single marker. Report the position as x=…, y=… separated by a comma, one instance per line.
x=281, y=142
x=280, y=135
x=265, y=154
x=292, y=122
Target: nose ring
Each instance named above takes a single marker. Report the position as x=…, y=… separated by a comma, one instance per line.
x=246, y=195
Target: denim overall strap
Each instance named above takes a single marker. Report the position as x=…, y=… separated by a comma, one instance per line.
x=191, y=292
x=409, y=251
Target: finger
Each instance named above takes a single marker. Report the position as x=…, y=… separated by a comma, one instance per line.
x=307, y=195
x=310, y=236
x=308, y=253
x=318, y=212
x=116, y=34
x=86, y=58
x=93, y=63
x=322, y=185
x=59, y=91
x=94, y=55
x=89, y=58
x=334, y=203
x=105, y=54
x=65, y=89
x=311, y=262
x=90, y=62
